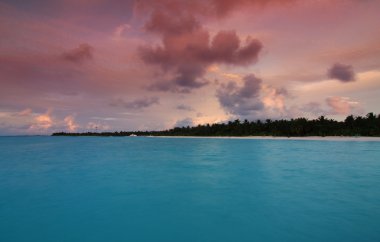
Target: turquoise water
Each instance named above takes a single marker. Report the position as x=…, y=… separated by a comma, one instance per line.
x=173, y=189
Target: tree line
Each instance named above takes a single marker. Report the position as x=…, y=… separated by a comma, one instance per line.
x=368, y=125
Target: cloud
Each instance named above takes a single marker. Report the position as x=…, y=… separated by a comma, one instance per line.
x=187, y=52
x=80, y=54
x=184, y=107
x=166, y=24
x=204, y=8
x=42, y=122
x=25, y=113
x=223, y=7
x=335, y=105
x=343, y=105
x=16, y=122
x=314, y=108
x=274, y=98
x=226, y=48
x=119, y=30
x=184, y=122
x=70, y=123
x=139, y=103
x=341, y=72
x=253, y=99
x=241, y=100
x=28, y=122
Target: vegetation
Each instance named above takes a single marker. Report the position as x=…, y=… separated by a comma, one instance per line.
x=351, y=126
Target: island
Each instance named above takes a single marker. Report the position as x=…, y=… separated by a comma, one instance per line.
x=368, y=126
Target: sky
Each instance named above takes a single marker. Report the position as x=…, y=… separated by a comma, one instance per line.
x=111, y=65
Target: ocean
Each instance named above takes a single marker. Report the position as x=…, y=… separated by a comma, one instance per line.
x=188, y=189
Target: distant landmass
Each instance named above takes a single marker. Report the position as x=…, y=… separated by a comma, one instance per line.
x=368, y=125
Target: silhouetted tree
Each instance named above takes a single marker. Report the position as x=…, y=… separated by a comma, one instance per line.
x=351, y=126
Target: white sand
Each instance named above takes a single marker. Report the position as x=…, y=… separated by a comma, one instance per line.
x=326, y=138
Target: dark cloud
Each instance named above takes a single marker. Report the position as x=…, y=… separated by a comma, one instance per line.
x=80, y=54
x=184, y=122
x=241, y=100
x=187, y=51
x=226, y=48
x=139, y=103
x=184, y=107
x=188, y=76
x=342, y=72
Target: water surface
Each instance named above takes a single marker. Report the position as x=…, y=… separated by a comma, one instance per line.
x=173, y=189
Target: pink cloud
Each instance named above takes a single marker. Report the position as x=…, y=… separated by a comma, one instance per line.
x=25, y=113
x=187, y=45
x=70, y=123
x=42, y=122
x=204, y=8
x=343, y=105
x=186, y=51
x=275, y=98
x=27, y=121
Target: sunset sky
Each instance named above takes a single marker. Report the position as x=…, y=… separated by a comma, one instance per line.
x=86, y=65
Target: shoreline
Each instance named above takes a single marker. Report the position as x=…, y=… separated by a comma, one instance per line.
x=307, y=138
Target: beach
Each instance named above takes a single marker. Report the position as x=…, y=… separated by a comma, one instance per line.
x=318, y=138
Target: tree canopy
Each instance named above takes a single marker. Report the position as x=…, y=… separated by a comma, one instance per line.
x=368, y=125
